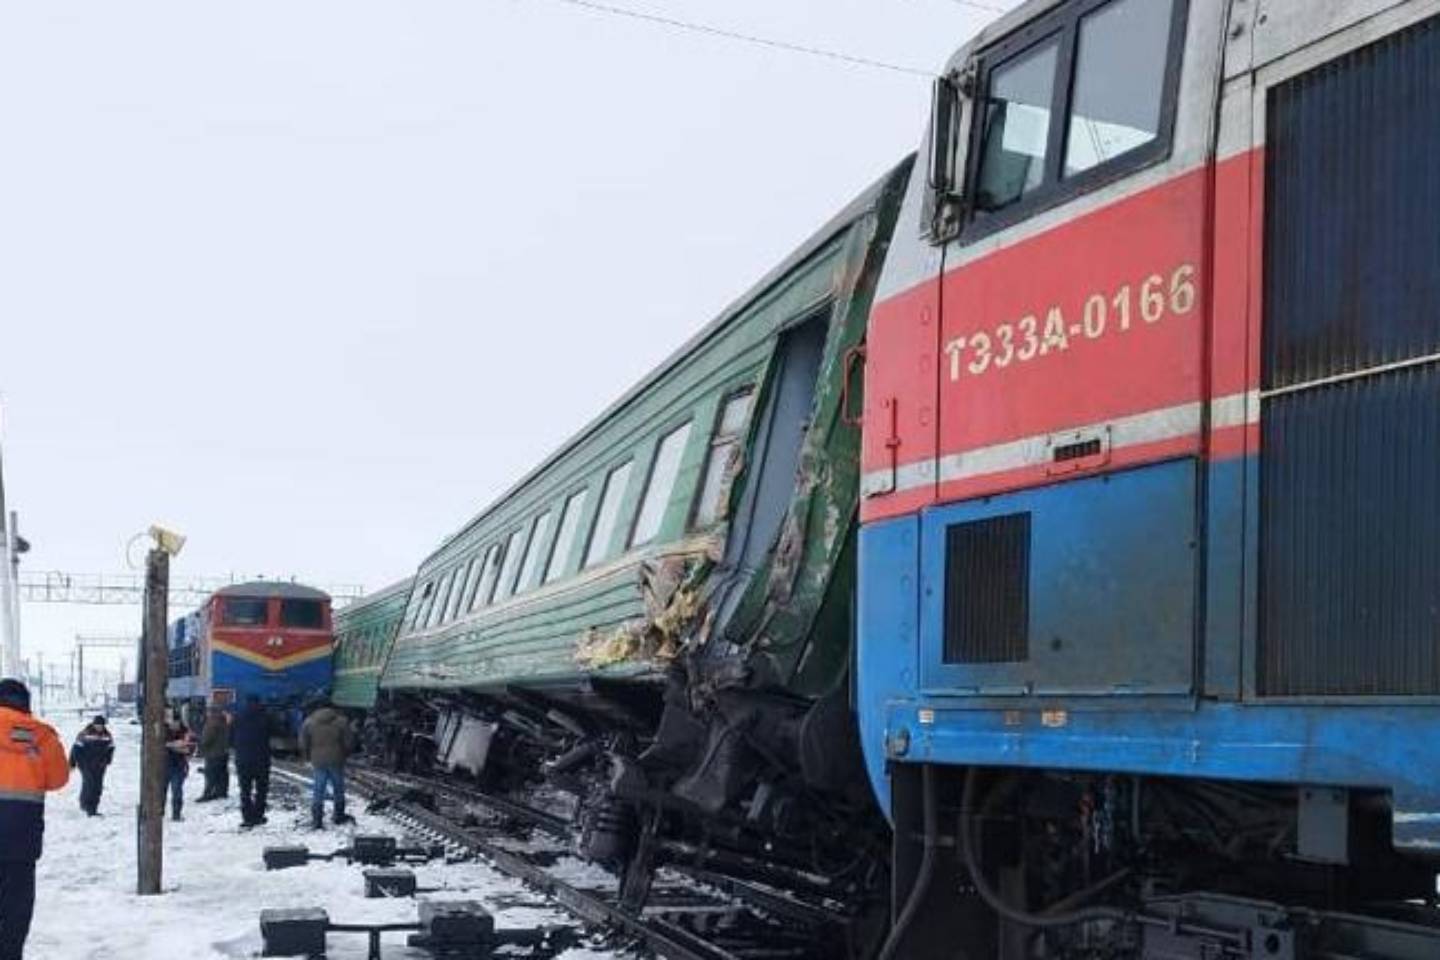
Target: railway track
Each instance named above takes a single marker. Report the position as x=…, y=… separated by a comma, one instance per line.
x=690, y=912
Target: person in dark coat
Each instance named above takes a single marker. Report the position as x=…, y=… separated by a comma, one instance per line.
x=250, y=736
x=91, y=753
x=32, y=762
x=326, y=741
x=179, y=748
x=214, y=750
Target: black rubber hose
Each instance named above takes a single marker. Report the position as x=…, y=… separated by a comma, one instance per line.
x=921, y=890
x=993, y=900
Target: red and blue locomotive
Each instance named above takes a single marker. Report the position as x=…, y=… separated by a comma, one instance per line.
x=1149, y=640
x=272, y=639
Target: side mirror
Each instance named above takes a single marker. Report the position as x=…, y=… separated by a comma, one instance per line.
x=944, y=107
x=950, y=112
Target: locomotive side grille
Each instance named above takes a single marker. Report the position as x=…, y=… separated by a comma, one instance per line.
x=1350, y=601
x=1352, y=192
x=987, y=590
x=1350, y=418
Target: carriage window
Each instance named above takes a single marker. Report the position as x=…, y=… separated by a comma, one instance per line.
x=663, y=473
x=722, y=450
x=466, y=596
x=1119, y=82
x=244, y=613
x=1017, y=127
x=505, y=586
x=305, y=614
x=565, y=539
x=485, y=585
x=532, y=552
x=608, y=514
x=457, y=590
x=417, y=615
x=437, y=603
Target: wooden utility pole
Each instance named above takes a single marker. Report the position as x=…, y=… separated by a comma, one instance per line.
x=150, y=824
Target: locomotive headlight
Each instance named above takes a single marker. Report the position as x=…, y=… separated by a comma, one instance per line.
x=897, y=742
x=167, y=540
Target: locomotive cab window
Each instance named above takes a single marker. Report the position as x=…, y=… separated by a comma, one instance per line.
x=1074, y=101
x=305, y=614
x=244, y=613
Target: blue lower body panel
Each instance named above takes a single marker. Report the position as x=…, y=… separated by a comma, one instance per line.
x=1226, y=734
x=1376, y=747
x=291, y=685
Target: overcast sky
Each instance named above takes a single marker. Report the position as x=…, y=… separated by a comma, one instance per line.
x=312, y=282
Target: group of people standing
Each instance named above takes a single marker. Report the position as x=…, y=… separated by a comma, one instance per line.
x=327, y=739
x=247, y=735
x=33, y=762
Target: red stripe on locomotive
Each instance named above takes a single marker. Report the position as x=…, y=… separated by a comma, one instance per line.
x=1125, y=312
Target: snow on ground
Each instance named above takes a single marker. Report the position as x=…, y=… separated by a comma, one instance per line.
x=214, y=879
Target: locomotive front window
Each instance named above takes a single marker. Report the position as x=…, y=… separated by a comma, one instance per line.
x=1017, y=127
x=304, y=614
x=238, y=612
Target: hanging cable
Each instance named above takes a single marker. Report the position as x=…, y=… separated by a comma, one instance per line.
x=921, y=890
x=596, y=6
x=1047, y=919
x=987, y=7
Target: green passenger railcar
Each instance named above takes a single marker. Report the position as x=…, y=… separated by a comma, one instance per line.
x=364, y=633
x=652, y=629
x=580, y=567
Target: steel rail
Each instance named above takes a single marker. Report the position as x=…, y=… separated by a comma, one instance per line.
x=549, y=822
x=664, y=939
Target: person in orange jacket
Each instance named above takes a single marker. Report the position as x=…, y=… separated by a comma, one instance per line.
x=32, y=762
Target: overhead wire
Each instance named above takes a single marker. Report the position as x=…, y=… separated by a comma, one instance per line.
x=976, y=5
x=597, y=6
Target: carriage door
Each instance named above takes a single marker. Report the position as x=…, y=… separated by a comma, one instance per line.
x=1349, y=460
x=1074, y=308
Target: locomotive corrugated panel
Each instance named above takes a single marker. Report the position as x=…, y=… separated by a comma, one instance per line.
x=1353, y=190
x=1350, y=469
x=1350, y=596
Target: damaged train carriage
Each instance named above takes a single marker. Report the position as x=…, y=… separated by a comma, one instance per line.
x=652, y=630
x=364, y=632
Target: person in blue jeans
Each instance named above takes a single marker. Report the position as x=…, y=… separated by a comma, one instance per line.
x=179, y=748
x=326, y=740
